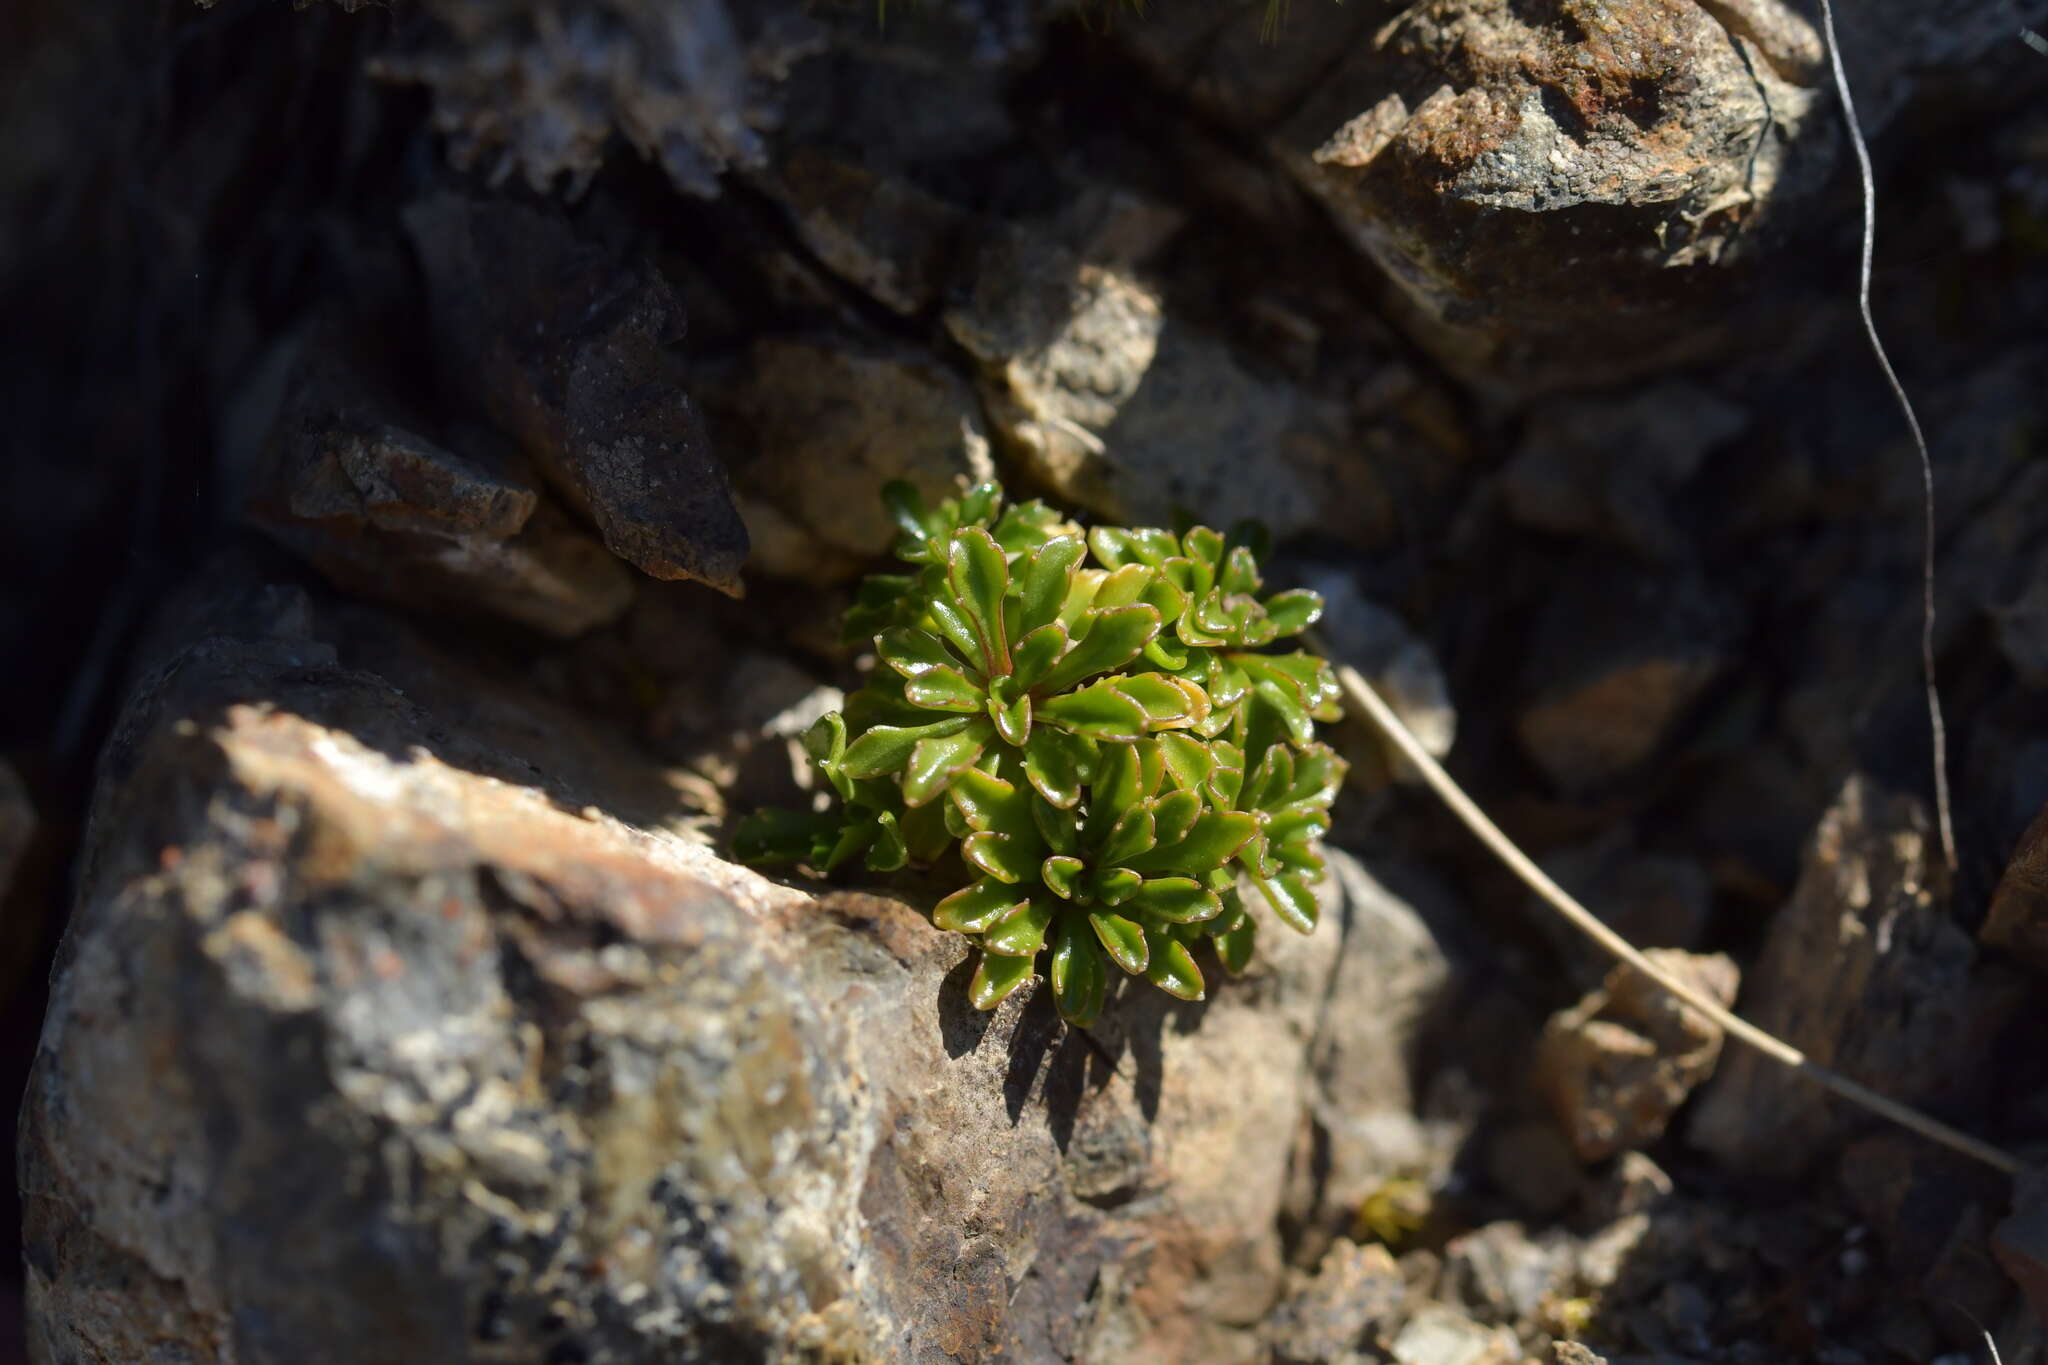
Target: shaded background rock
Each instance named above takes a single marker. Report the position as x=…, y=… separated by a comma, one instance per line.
x=1670, y=611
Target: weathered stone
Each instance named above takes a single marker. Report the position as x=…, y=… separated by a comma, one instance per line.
x=1399, y=665
x=381, y=509
x=395, y=1022
x=1503, y=1273
x=1552, y=189
x=1652, y=900
x=1613, y=470
x=1119, y=408
x=1619, y=659
x=567, y=350
x=879, y=232
x=1442, y=1336
x=820, y=427
x=1865, y=973
x=1616, y=1066
x=1330, y=1318
x=1532, y=1163
x=2018, y=921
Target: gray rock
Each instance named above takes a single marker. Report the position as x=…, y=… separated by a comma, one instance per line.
x=397, y=1021
x=1653, y=900
x=1616, y=1066
x=567, y=350
x=1551, y=190
x=1116, y=406
x=1442, y=1336
x=1399, y=665
x=1864, y=972
x=820, y=428
x=1332, y=1317
x=386, y=511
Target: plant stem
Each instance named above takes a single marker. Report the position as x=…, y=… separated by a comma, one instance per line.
x=1362, y=695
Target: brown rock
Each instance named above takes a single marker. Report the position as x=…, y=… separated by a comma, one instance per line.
x=1865, y=973
x=397, y=1022
x=386, y=511
x=1615, y=1067
x=2018, y=921
x=568, y=350
x=1330, y=1318
x=879, y=232
x=1551, y=189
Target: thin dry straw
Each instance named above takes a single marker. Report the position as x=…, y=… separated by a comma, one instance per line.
x=1941, y=797
x=1367, y=700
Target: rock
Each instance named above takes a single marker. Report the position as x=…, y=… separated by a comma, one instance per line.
x=1617, y=663
x=1552, y=190
x=881, y=233
x=1865, y=973
x=566, y=349
x=1918, y=1200
x=17, y=824
x=1614, y=470
x=1502, y=1275
x=398, y=1021
x=1652, y=900
x=1572, y=1353
x=822, y=427
x=518, y=90
x=1633, y=1184
x=2020, y=1242
x=1532, y=1163
x=386, y=511
x=1400, y=666
x=1117, y=407
x=1442, y=1336
x=1616, y=1066
x=1330, y=1317
x=2018, y=921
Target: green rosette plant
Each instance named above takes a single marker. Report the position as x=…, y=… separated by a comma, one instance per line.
x=1096, y=727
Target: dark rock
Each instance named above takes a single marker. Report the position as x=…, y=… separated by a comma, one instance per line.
x=386, y=511
x=17, y=824
x=2018, y=921
x=567, y=349
x=1615, y=1067
x=883, y=234
x=1534, y=1165
x=1400, y=666
x=1652, y=900
x=1865, y=973
x=1552, y=189
x=396, y=1021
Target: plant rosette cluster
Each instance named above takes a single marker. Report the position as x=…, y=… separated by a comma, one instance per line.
x=1101, y=729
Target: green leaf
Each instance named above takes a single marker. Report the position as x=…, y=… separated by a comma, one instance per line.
x=888, y=853
x=1036, y=653
x=886, y=748
x=1046, y=581
x=1006, y=857
x=1113, y=640
x=979, y=576
x=906, y=508
x=1059, y=873
x=1292, y=900
x=1021, y=933
x=1234, y=946
x=1124, y=940
x=1013, y=722
x=996, y=978
x=1213, y=840
x=1114, y=885
x=992, y=804
x=1099, y=712
x=1294, y=611
x=953, y=623
x=973, y=909
x=1188, y=761
x=1173, y=815
x=1131, y=836
x=1240, y=572
x=1078, y=978
x=1165, y=703
x=1171, y=968
x=934, y=762
x=913, y=653
x=770, y=836
x=1123, y=587
x=1052, y=762
x=1202, y=545
x=944, y=689
x=1055, y=828
x=1177, y=900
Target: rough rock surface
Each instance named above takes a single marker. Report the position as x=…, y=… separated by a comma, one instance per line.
x=1615, y=1067
x=384, y=1033
x=2018, y=921
x=1865, y=973
x=567, y=350
x=1547, y=185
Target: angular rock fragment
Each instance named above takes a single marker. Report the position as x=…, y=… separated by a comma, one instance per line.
x=386, y=511
x=2018, y=921
x=1117, y=407
x=1865, y=973
x=396, y=1024
x=1332, y=1317
x=817, y=429
x=568, y=350
x=1616, y=1066
x=1552, y=188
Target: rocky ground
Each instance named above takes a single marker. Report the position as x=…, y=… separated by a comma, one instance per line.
x=441, y=440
